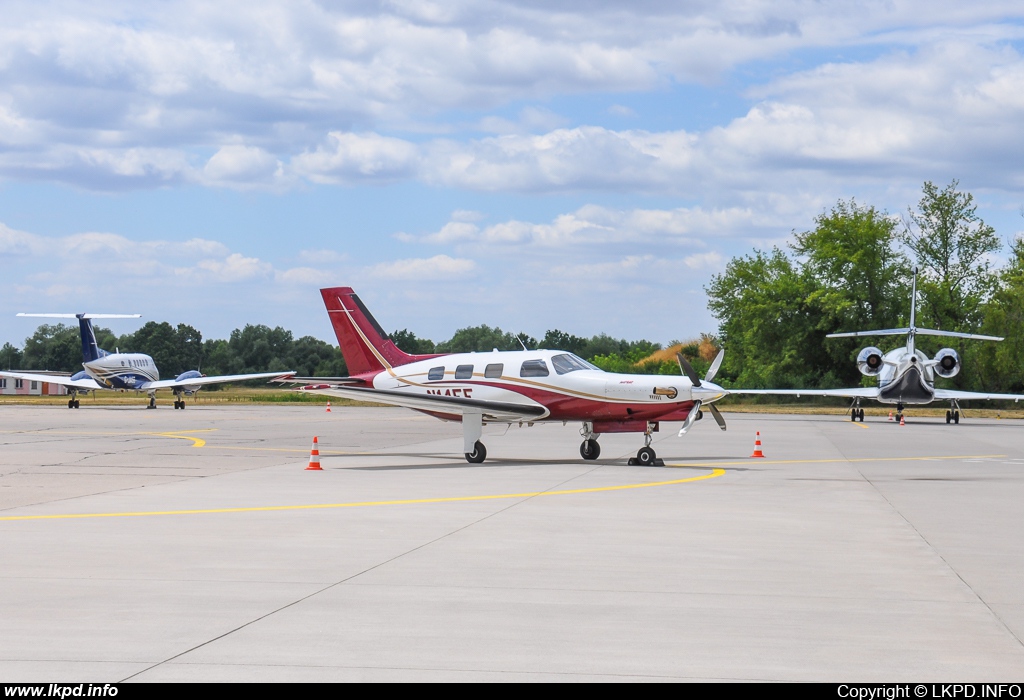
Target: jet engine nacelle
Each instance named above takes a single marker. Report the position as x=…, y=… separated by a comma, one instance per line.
x=869, y=361
x=947, y=363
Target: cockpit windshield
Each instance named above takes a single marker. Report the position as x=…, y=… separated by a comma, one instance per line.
x=568, y=362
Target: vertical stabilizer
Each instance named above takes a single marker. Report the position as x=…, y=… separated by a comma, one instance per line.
x=364, y=344
x=90, y=349
x=913, y=313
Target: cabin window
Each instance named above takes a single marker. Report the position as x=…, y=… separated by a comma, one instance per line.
x=435, y=373
x=534, y=368
x=494, y=371
x=464, y=372
x=569, y=363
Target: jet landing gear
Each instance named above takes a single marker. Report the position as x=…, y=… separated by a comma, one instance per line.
x=953, y=414
x=73, y=401
x=478, y=455
x=856, y=412
x=179, y=402
x=152, y=401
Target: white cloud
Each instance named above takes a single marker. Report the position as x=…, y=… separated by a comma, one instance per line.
x=348, y=158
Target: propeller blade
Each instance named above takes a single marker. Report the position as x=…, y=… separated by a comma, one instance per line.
x=690, y=418
x=718, y=416
x=687, y=369
x=715, y=365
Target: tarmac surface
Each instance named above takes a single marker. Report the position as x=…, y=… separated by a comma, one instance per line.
x=194, y=546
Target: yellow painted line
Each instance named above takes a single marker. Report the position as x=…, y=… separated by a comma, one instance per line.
x=196, y=442
x=749, y=461
x=362, y=504
x=860, y=425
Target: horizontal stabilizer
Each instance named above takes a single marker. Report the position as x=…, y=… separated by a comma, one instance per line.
x=83, y=315
x=855, y=334
x=954, y=334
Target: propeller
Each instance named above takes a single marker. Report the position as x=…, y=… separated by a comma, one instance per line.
x=687, y=369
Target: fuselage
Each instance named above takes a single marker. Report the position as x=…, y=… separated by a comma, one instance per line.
x=123, y=370
x=566, y=387
x=906, y=377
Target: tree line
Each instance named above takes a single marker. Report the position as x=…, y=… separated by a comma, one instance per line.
x=853, y=271
x=259, y=348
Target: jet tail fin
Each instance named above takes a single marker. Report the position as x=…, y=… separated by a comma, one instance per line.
x=364, y=344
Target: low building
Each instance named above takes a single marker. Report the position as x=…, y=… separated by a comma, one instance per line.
x=23, y=387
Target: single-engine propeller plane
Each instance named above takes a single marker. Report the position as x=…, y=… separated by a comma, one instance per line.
x=906, y=377
x=119, y=371
x=506, y=387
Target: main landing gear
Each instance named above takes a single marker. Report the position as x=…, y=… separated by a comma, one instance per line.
x=856, y=412
x=953, y=414
x=73, y=401
x=478, y=455
x=152, y=401
x=179, y=402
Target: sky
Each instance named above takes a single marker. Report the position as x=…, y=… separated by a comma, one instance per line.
x=585, y=166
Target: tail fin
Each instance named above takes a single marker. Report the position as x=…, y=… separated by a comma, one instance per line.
x=364, y=344
x=90, y=349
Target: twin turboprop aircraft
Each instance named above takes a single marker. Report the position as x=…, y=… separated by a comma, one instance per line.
x=120, y=371
x=510, y=387
x=905, y=375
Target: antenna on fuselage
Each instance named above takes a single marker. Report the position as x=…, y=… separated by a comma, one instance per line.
x=520, y=339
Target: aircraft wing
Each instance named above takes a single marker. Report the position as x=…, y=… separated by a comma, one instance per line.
x=200, y=381
x=860, y=392
x=500, y=411
x=85, y=383
x=948, y=394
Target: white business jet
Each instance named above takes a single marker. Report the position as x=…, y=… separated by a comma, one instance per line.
x=120, y=371
x=510, y=387
x=905, y=375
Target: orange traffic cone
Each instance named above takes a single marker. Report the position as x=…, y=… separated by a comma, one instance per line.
x=890, y=415
x=314, y=457
x=757, y=446
x=328, y=406
x=901, y=420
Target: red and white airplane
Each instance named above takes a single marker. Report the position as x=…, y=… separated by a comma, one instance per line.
x=480, y=388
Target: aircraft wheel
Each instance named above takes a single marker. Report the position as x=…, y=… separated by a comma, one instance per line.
x=853, y=415
x=949, y=417
x=183, y=404
x=590, y=449
x=77, y=404
x=646, y=456
x=956, y=417
x=862, y=415
x=71, y=403
x=478, y=455
x=700, y=414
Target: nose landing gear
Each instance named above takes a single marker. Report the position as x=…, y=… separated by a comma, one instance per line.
x=646, y=456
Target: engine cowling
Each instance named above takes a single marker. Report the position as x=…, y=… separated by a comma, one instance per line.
x=869, y=361
x=947, y=363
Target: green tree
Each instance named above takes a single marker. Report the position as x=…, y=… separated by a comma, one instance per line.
x=861, y=275
x=479, y=339
x=10, y=357
x=559, y=340
x=407, y=341
x=952, y=246
x=770, y=323
x=56, y=348
x=1001, y=365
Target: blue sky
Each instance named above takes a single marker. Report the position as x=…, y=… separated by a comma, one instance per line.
x=586, y=166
